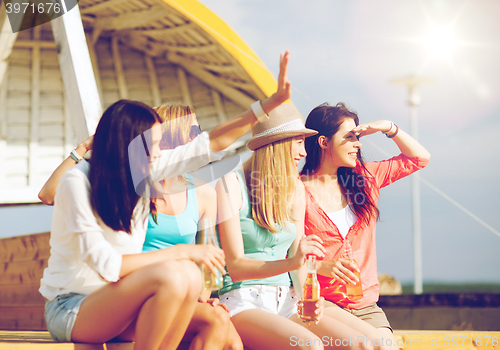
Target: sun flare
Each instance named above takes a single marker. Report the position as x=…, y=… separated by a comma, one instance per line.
x=441, y=42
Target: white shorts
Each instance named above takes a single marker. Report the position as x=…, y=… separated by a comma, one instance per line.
x=276, y=300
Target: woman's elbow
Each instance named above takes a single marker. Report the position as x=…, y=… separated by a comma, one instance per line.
x=47, y=200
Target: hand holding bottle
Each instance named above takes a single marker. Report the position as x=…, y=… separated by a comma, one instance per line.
x=310, y=309
x=309, y=245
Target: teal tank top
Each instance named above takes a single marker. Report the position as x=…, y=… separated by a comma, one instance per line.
x=261, y=244
x=174, y=229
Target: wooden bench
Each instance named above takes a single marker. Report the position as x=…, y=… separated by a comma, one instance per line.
x=407, y=340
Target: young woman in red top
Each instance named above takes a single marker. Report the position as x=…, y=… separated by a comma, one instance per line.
x=341, y=208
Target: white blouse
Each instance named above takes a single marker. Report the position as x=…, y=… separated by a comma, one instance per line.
x=343, y=219
x=86, y=254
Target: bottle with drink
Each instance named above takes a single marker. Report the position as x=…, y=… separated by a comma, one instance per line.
x=211, y=281
x=354, y=292
x=311, y=291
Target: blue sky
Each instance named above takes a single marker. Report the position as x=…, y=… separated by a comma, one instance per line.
x=349, y=51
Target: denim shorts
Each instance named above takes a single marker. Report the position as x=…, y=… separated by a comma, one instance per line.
x=60, y=315
x=276, y=300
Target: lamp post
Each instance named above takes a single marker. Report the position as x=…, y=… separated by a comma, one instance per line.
x=412, y=83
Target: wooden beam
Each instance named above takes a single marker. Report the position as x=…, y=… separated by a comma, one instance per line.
x=35, y=110
x=76, y=69
x=183, y=83
x=95, y=65
x=136, y=40
x=166, y=33
x=197, y=49
x=117, y=62
x=231, y=93
x=35, y=43
x=7, y=39
x=153, y=80
x=221, y=115
x=131, y=20
x=106, y=4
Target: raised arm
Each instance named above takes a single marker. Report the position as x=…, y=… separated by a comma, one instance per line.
x=407, y=144
x=48, y=191
x=225, y=134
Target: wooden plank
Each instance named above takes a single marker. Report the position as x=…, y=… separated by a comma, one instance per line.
x=35, y=110
x=3, y=130
x=153, y=80
x=446, y=340
x=25, y=272
x=35, y=43
x=25, y=248
x=183, y=84
x=22, y=318
x=120, y=76
x=21, y=296
x=76, y=68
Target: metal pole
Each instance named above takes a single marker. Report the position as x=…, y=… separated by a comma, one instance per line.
x=413, y=101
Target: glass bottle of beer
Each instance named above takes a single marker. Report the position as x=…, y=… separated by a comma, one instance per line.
x=355, y=292
x=211, y=281
x=311, y=291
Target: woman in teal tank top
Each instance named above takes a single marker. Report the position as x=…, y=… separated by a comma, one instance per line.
x=261, y=227
x=177, y=213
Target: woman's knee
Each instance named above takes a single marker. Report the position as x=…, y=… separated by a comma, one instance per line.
x=170, y=276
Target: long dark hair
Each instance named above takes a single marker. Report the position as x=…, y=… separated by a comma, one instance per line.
x=113, y=194
x=355, y=187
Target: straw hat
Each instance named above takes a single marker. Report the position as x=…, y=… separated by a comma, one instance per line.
x=284, y=122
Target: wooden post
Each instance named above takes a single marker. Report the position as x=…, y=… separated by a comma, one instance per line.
x=95, y=66
x=183, y=83
x=7, y=39
x=3, y=131
x=117, y=61
x=76, y=69
x=35, y=110
x=153, y=80
x=221, y=116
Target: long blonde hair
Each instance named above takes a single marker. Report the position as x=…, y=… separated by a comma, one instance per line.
x=176, y=126
x=177, y=122
x=271, y=176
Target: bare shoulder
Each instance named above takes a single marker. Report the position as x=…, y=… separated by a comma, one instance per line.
x=204, y=190
x=228, y=183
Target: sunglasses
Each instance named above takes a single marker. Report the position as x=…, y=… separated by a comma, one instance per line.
x=195, y=131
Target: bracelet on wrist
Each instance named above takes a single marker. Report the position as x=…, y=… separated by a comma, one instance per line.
x=388, y=131
x=75, y=156
x=259, y=112
x=394, y=133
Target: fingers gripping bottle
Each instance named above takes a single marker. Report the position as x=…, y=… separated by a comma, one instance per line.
x=211, y=281
x=311, y=291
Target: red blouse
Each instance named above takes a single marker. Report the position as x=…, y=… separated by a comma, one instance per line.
x=359, y=243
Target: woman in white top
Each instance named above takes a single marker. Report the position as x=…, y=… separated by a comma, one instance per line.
x=98, y=285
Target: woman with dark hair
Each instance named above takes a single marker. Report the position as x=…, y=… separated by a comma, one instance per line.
x=341, y=208
x=98, y=285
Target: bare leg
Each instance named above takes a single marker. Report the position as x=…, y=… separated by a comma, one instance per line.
x=335, y=334
x=208, y=328
x=261, y=330
x=155, y=296
x=388, y=338
x=372, y=336
x=233, y=339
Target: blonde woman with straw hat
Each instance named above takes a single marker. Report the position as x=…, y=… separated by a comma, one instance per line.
x=261, y=212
